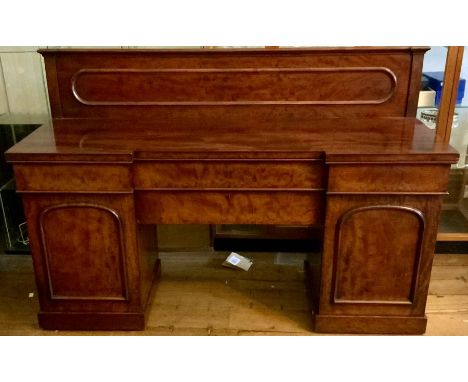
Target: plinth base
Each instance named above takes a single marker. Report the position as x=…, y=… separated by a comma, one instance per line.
x=369, y=324
x=99, y=320
x=91, y=321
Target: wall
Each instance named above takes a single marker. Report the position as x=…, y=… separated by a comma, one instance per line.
x=22, y=89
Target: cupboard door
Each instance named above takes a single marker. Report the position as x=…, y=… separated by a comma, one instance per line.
x=377, y=254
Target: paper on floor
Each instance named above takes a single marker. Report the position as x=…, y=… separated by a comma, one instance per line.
x=236, y=261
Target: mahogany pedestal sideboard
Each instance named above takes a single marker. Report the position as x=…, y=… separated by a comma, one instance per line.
x=321, y=137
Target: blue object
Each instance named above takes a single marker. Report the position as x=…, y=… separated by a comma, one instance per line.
x=435, y=81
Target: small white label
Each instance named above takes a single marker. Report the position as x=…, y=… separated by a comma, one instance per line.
x=31, y=295
x=234, y=260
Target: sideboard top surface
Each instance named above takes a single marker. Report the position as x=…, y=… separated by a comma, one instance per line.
x=378, y=139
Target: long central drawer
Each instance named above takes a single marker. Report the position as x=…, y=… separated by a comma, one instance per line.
x=229, y=207
x=236, y=174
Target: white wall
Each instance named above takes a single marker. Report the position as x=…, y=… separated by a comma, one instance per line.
x=3, y=96
x=22, y=87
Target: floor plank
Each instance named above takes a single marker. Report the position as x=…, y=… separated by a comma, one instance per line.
x=442, y=259
x=452, y=324
x=447, y=304
x=448, y=287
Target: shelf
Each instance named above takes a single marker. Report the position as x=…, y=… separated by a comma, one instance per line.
x=453, y=221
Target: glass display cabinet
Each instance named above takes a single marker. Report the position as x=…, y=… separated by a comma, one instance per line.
x=443, y=105
x=23, y=107
x=14, y=234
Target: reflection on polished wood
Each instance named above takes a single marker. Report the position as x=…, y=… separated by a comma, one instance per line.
x=252, y=137
x=360, y=139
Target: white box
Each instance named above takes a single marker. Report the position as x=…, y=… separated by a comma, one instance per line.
x=426, y=98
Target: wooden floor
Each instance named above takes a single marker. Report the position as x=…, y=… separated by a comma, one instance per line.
x=197, y=296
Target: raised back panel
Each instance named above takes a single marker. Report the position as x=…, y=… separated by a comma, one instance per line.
x=246, y=83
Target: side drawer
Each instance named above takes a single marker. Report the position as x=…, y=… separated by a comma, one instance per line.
x=229, y=174
x=410, y=178
x=73, y=177
x=236, y=207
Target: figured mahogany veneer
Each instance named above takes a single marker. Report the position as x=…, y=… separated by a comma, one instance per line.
x=229, y=174
x=401, y=254
x=244, y=136
x=229, y=207
x=84, y=177
x=98, y=252
x=336, y=82
x=367, y=178
x=232, y=86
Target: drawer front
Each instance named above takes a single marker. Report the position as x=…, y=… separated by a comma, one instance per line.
x=237, y=207
x=229, y=174
x=410, y=178
x=73, y=177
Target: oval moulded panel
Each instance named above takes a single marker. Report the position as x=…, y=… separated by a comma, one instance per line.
x=243, y=86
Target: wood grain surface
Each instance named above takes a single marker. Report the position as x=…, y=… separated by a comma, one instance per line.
x=158, y=83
